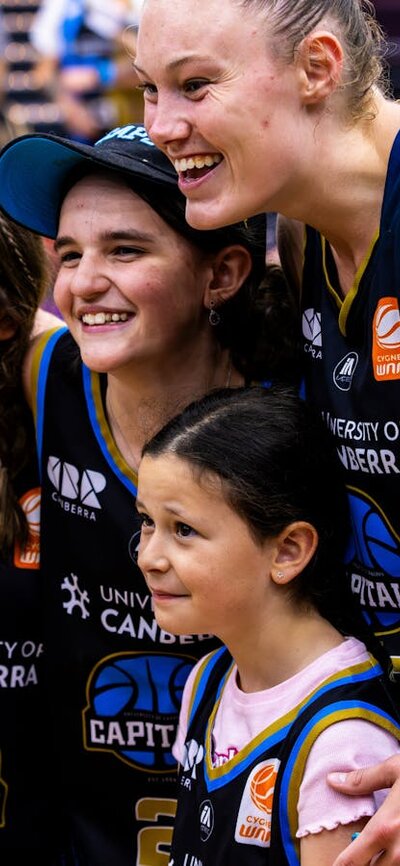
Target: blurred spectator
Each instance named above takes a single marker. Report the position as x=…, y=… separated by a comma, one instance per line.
x=84, y=62
x=4, y=131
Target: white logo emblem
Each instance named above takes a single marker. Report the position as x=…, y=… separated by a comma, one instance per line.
x=194, y=754
x=312, y=326
x=344, y=371
x=206, y=820
x=73, y=484
x=78, y=597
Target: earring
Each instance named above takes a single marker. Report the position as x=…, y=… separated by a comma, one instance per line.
x=280, y=575
x=214, y=317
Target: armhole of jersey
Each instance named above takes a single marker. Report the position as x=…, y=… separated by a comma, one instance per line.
x=201, y=680
x=40, y=368
x=295, y=766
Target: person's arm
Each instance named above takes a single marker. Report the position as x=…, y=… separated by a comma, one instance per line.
x=382, y=832
x=322, y=848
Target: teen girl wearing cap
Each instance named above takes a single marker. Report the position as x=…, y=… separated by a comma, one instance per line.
x=271, y=105
x=157, y=313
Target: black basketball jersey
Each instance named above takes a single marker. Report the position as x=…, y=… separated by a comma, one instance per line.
x=245, y=811
x=116, y=676
x=351, y=353
x=27, y=822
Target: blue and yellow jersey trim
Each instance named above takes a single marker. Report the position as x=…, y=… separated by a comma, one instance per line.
x=92, y=388
x=40, y=367
x=294, y=769
x=205, y=669
x=101, y=429
x=217, y=777
x=344, y=304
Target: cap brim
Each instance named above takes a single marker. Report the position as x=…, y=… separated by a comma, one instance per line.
x=34, y=169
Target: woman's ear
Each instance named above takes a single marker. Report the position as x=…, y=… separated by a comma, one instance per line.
x=295, y=547
x=319, y=66
x=230, y=268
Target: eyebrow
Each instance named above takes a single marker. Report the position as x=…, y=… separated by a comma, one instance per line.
x=119, y=235
x=169, y=507
x=180, y=61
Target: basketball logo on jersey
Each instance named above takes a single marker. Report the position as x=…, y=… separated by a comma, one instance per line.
x=386, y=340
x=29, y=555
x=253, y=825
x=133, y=701
x=373, y=557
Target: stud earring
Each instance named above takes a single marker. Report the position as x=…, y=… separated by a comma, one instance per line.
x=280, y=575
x=214, y=318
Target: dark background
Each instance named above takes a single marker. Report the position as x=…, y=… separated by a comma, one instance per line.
x=388, y=14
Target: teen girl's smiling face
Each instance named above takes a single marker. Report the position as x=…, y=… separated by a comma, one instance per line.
x=221, y=107
x=129, y=287
x=203, y=567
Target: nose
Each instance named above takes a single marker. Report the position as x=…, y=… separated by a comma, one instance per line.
x=88, y=277
x=167, y=121
x=152, y=557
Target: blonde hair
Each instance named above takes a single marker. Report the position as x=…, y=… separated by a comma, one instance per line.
x=355, y=25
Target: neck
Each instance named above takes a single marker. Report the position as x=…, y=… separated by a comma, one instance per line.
x=340, y=188
x=140, y=400
x=307, y=637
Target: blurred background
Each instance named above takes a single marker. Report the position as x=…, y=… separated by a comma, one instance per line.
x=64, y=65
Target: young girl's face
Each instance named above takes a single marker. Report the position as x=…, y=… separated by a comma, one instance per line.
x=204, y=569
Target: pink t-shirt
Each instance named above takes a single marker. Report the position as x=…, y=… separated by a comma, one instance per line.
x=343, y=746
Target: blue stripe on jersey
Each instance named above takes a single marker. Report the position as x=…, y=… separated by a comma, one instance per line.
x=293, y=772
x=202, y=683
x=44, y=364
x=217, y=777
x=112, y=461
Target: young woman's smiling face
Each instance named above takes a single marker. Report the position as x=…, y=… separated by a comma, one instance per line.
x=129, y=287
x=204, y=569
x=219, y=105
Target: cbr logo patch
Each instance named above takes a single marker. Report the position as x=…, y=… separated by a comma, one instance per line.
x=386, y=340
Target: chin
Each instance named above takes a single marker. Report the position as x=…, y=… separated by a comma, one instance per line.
x=202, y=216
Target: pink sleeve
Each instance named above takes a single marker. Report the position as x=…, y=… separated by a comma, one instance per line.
x=343, y=746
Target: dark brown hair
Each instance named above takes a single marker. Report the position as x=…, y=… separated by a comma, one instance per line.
x=23, y=277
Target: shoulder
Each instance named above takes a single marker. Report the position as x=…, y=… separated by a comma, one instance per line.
x=41, y=339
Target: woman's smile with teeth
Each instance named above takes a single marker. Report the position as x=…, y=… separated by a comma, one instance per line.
x=206, y=161
x=103, y=318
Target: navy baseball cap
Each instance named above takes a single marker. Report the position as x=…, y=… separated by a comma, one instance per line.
x=35, y=168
